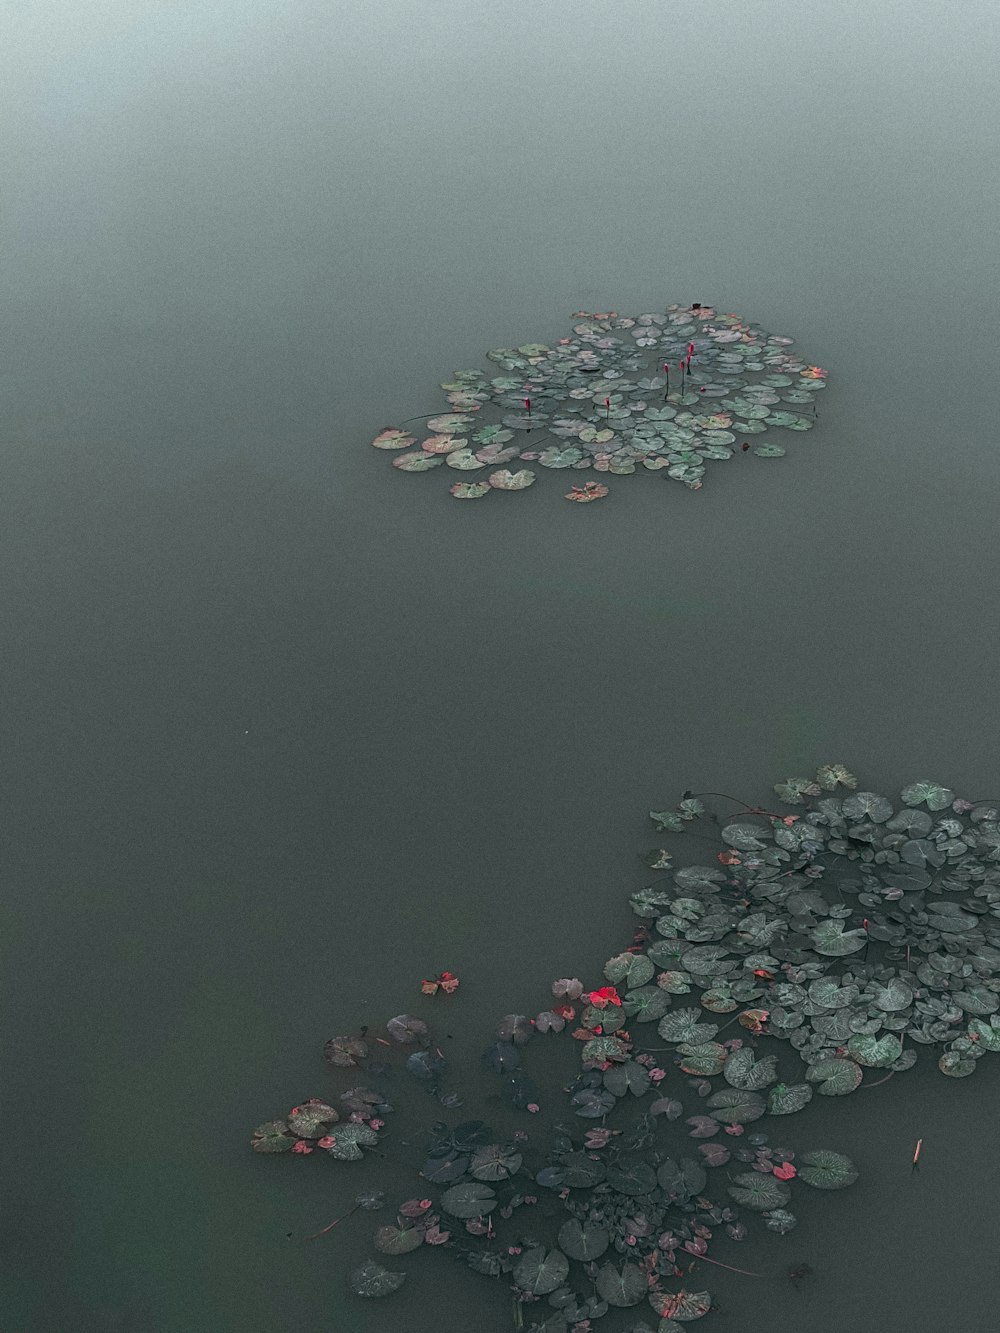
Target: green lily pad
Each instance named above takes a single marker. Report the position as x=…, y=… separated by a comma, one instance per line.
x=272, y=1137
x=393, y=439
x=743, y=1070
x=540, y=1271
x=684, y=1025
x=451, y=424
x=622, y=1286
x=464, y=460
x=632, y=969
x=398, y=1240
x=835, y=1078
x=875, y=1053
x=505, y=480
x=646, y=1004
x=769, y=451
x=469, y=1200
x=930, y=794
x=494, y=1162
x=371, y=1279
x=785, y=1099
x=312, y=1119
x=470, y=490
x=348, y=1140
x=827, y=1170
x=417, y=462
x=583, y=1241
x=956, y=1064
x=735, y=1107
x=760, y=1193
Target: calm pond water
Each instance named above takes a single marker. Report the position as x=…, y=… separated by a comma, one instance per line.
x=283, y=729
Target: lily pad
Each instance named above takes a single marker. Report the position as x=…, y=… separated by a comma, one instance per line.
x=511, y=481
x=784, y=1099
x=759, y=1192
x=469, y=1200
x=827, y=1170
x=371, y=1279
x=622, y=1286
x=540, y=1271
x=583, y=1241
x=470, y=490
x=398, y=1240
x=733, y=1106
x=835, y=1078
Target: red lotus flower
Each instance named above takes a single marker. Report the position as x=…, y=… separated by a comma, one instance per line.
x=600, y=999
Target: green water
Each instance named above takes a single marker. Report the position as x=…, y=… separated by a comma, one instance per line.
x=284, y=730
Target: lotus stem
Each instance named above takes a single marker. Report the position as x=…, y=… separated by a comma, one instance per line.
x=336, y=1222
x=878, y=1082
x=717, y=1263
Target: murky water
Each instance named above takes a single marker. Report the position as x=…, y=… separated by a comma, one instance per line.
x=283, y=729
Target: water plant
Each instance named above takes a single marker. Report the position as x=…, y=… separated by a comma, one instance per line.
x=841, y=938
x=604, y=399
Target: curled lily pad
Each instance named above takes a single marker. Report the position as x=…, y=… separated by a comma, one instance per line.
x=470, y=490
x=371, y=1279
x=827, y=1170
x=930, y=794
x=583, y=495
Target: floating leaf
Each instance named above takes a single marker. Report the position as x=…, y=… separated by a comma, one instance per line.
x=680, y=1305
x=398, y=1240
x=393, y=439
x=622, y=1286
x=930, y=794
x=511, y=481
x=827, y=1170
x=539, y=1271
x=406, y=1029
x=783, y=1099
x=312, y=1119
x=634, y=969
x=451, y=424
x=760, y=1193
x=470, y=490
x=734, y=1107
x=345, y=1051
x=874, y=1053
x=743, y=1070
x=835, y=1078
x=417, y=462
x=583, y=1241
x=469, y=1200
x=272, y=1137
x=494, y=1162
x=346, y=1142
x=371, y=1279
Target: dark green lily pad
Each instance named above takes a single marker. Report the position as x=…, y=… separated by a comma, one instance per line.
x=540, y=1271
x=835, y=1078
x=827, y=1170
x=582, y=1241
x=622, y=1286
x=272, y=1137
x=733, y=1106
x=469, y=1200
x=371, y=1279
x=398, y=1240
x=759, y=1192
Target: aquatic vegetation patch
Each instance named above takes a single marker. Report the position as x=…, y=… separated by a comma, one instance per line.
x=667, y=392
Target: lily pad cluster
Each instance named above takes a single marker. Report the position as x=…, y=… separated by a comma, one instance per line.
x=665, y=392
x=857, y=929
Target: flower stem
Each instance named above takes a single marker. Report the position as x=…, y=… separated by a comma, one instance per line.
x=334, y=1223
